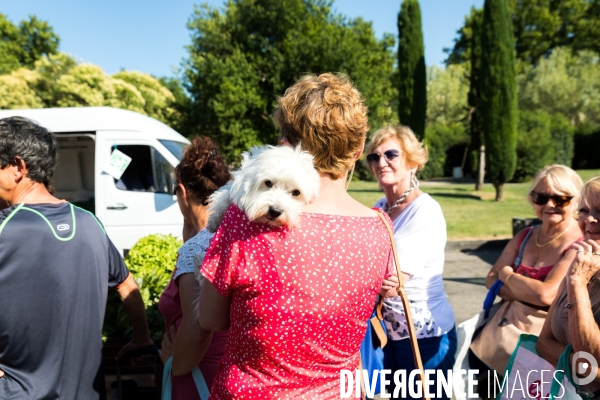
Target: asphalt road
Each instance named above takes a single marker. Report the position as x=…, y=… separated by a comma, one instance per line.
x=467, y=264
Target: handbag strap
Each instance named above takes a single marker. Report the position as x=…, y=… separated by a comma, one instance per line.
x=522, y=248
x=167, y=385
x=496, y=286
x=407, y=311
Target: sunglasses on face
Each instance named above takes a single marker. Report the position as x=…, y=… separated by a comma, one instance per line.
x=389, y=155
x=541, y=199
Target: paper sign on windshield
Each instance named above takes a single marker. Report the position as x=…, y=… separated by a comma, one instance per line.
x=117, y=164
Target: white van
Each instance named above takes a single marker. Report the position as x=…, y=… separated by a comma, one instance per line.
x=141, y=202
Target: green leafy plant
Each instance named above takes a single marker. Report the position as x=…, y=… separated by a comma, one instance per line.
x=151, y=262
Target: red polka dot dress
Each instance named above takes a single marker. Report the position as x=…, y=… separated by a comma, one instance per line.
x=300, y=301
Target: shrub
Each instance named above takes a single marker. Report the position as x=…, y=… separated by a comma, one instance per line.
x=440, y=140
x=151, y=262
x=535, y=149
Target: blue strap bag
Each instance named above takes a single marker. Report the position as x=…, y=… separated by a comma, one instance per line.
x=167, y=386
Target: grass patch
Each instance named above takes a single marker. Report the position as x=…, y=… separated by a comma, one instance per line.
x=469, y=214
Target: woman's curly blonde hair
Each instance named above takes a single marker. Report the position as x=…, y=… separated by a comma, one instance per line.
x=327, y=115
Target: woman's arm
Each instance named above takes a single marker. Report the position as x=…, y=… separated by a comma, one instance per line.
x=547, y=346
x=214, y=314
x=534, y=291
x=191, y=341
x=506, y=259
x=583, y=330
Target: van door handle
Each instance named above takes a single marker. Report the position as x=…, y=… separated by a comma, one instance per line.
x=119, y=206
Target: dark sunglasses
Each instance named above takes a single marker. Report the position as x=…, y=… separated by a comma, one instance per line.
x=542, y=199
x=389, y=155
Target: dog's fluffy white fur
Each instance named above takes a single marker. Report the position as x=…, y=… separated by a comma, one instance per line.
x=271, y=186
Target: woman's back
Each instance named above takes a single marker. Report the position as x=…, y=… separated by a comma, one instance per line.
x=300, y=301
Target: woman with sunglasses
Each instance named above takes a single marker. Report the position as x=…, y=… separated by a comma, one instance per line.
x=395, y=156
x=533, y=263
x=199, y=174
x=574, y=315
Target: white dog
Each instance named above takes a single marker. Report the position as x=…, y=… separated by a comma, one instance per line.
x=271, y=186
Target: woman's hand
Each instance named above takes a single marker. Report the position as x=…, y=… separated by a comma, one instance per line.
x=166, y=347
x=586, y=263
x=388, y=287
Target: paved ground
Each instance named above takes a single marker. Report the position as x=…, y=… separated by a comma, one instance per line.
x=467, y=264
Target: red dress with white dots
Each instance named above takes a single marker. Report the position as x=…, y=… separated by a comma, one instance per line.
x=300, y=301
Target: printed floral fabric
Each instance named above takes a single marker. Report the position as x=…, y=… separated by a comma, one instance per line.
x=191, y=254
x=300, y=301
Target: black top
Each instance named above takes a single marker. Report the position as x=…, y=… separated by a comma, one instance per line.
x=56, y=263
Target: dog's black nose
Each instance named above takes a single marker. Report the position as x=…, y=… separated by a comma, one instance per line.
x=273, y=213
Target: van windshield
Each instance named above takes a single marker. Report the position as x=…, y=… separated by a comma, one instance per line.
x=176, y=148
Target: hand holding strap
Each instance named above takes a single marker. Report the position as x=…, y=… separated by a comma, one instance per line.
x=407, y=311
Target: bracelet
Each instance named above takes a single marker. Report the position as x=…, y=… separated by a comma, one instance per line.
x=569, y=305
x=508, y=277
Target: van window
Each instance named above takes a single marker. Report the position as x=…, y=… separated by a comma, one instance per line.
x=148, y=171
x=176, y=148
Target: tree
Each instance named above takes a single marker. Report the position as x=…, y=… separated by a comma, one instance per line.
x=498, y=100
x=412, y=88
x=461, y=52
x=22, y=46
x=243, y=56
x=446, y=94
x=477, y=146
x=59, y=81
x=539, y=27
x=564, y=84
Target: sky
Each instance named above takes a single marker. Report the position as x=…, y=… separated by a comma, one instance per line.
x=150, y=36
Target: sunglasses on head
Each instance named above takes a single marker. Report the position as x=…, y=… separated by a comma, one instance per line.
x=389, y=155
x=542, y=199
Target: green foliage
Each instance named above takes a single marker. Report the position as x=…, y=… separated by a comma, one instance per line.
x=151, y=262
x=412, y=100
x=534, y=144
x=444, y=142
x=447, y=94
x=543, y=139
x=59, y=81
x=564, y=84
x=243, y=56
x=498, y=93
x=461, y=53
x=539, y=27
x=562, y=133
x=23, y=45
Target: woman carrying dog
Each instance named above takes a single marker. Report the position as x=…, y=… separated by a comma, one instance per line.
x=395, y=156
x=201, y=171
x=296, y=301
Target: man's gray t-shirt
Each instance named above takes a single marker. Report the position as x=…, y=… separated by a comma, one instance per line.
x=56, y=264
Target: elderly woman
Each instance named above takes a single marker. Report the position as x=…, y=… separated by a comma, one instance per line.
x=575, y=313
x=533, y=264
x=296, y=301
x=395, y=156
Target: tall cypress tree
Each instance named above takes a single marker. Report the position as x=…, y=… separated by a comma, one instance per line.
x=412, y=88
x=498, y=89
x=474, y=95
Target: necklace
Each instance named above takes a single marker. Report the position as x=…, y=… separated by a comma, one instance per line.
x=537, y=243
x=414, y=184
